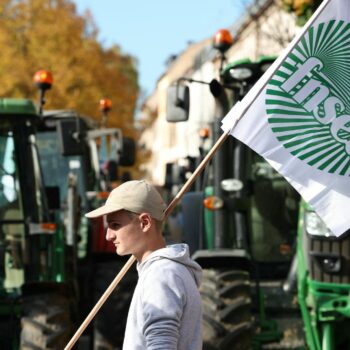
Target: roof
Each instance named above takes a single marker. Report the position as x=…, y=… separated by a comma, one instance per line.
x=63, y=114
x=17, y=106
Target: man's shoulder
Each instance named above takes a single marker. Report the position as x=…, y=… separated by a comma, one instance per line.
x=164, y=269
x=166, y=264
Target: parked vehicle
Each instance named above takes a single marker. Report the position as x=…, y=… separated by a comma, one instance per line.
x=323, y=283
x=38, y=296
x=245, y=229
x=82, y=160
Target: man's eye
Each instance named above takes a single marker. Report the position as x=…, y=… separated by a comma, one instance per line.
x=114, y=226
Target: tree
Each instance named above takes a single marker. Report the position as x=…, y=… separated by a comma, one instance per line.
x=49, y=34
x=303, y=9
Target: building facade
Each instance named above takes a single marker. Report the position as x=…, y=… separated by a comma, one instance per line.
x=264, y=30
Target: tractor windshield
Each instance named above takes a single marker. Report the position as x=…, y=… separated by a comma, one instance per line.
x=22, y=196
x=11, y=213
x=57, y=166
x=10, y=194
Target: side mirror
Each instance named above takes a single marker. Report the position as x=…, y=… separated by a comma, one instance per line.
x=69, y=136
x=128, y=153
x=178, y=103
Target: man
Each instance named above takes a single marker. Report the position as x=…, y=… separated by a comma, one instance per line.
x=165, y=312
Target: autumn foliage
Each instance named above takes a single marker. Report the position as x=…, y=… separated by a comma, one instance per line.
x=51, y=35
x=303, y=9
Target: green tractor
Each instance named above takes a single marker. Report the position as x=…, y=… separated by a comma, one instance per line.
x=323, y=273
x=244, y=235
x=38, y=293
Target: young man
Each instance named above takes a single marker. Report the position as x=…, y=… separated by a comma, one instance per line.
x=165, y=312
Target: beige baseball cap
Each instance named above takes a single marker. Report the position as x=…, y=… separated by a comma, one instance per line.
x=135, y=196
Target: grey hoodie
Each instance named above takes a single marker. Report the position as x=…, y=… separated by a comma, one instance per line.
x=165, y=312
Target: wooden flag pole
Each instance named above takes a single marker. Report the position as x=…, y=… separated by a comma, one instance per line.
x=132, y=259
x=101, y=301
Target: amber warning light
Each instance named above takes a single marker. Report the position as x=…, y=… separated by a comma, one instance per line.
x=43, y=79
x=222, y=40
x=204, y=133
x=213, y=203
x=105, y=105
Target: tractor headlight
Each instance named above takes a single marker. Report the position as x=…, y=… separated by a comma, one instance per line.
x=232, y=185
x=315, y=226
x=241, y=73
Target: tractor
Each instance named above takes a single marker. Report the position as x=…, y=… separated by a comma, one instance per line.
x=244, y=235
x=323, y=276
x=38, y=293
x=82, y=160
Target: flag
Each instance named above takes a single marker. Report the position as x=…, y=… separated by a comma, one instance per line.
x=297, y=116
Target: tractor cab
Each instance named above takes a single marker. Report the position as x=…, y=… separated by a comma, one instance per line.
x=29, y=232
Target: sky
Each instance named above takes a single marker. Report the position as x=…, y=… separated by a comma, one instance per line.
x=153, y=30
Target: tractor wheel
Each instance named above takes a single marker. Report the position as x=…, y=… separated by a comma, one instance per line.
x=227, y=318
x=110, y=321
x=46, y=323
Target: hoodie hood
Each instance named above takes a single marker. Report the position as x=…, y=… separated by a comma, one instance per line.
x=179, y=253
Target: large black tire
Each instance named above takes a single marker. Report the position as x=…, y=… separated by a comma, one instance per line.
x=46, y=323
x=110, y=322
x=227, y=318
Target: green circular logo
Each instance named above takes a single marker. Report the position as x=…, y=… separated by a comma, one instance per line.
x=308, y=99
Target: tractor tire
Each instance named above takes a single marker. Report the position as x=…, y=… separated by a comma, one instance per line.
x=46, y=323
x=227, y=317
x=110, y=321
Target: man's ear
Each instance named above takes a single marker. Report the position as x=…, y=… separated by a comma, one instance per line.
x=145, y=221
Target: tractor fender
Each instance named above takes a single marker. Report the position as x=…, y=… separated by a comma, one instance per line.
x=221, y=258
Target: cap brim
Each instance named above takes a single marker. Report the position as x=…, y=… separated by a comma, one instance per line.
x=104, y=210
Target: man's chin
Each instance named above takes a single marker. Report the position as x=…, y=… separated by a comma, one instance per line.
x=121, y=252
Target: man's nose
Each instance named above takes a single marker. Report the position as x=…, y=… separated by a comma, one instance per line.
x=110, y=235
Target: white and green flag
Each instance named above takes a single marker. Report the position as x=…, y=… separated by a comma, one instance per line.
x=298, y=114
